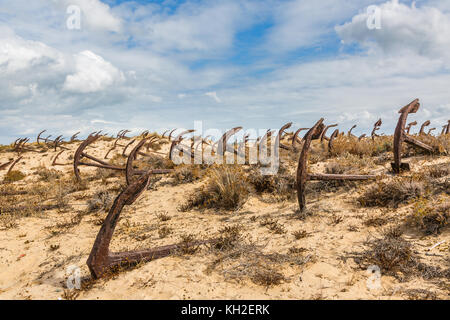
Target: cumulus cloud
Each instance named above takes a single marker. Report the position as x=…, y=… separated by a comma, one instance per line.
x=300, y=23
x=95, y=15
x=421, y=30
x=92, y=74
x=18, y=54
x=68, y=81
x=200, y=26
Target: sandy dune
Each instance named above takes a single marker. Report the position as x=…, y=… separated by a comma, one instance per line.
x=37, y=251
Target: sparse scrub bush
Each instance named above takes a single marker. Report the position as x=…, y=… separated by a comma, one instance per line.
x=158, y=162
x=185, y=244
x=157, y=145
x=431, y=215
x=246, y=260
x=47, y=175
x=281, y=185
x=164, y=231
x=14, y=176
x=391, y=254
x=273, y=225
x=440, y=145
x=365, y=147
x=101, y=200
x=300, y=234
x=61, y=199
x=185, y=174
x=438, y=171
x=376, y=221
x=227, y=189
x=103, y=174
x=163, y=216
x=7, y=221
x=73, y=185
x=396, y=257
x=229, y=236
x=118, y=160
x=391, y=193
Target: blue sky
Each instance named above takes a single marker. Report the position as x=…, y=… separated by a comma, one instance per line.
x=259, y=64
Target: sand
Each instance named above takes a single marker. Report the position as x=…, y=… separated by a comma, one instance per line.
x=35, y=256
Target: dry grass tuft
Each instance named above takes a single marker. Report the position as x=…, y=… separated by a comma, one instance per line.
x=392, y=254
x=396, y=257
x=158, y=162
x=391, y=193
x=47, y=175
x=101, y=200
x=226, y=189
x=13, y=176
x=104, y=174
x=431, y=216
x=300, y=234
x=438, y=171
x=163, y=216
x=164, y=231
x=246, y=261
x=229, y=236
x=273, y=225
x=185, y=247
x=377, y=221
x=185, y=174
x=8, y=221
x=363, y=148
x=440, y=145
x=281, y=186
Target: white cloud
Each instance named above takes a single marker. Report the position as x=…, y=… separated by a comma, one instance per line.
x=96, y=15
x=18, y=54
x=205, y=26
x=92, y=74
x=95, y=121
x=214, y=96
x=300, y=23
x=58, y=77
x=421, y=30
x=153, y=98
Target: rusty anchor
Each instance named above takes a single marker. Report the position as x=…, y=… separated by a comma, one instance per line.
x=400, y=136
x=408, y=127
x=101, y=259
x=324, y=132
x=422, y=127
x=376, y=127
x=302, y=174
x=350, y=134
x=332, y=137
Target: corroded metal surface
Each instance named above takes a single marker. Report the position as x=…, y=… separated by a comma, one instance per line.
x=376, y=127
x=323, y=135
x=410, y=125
x=350, y=134
x=332, y=137
x=400, y=136
x=422, y=127
x=101, y=260
x=302, y=174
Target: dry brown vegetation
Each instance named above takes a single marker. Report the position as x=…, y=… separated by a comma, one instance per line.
x=225, y=189
x=264, y=247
